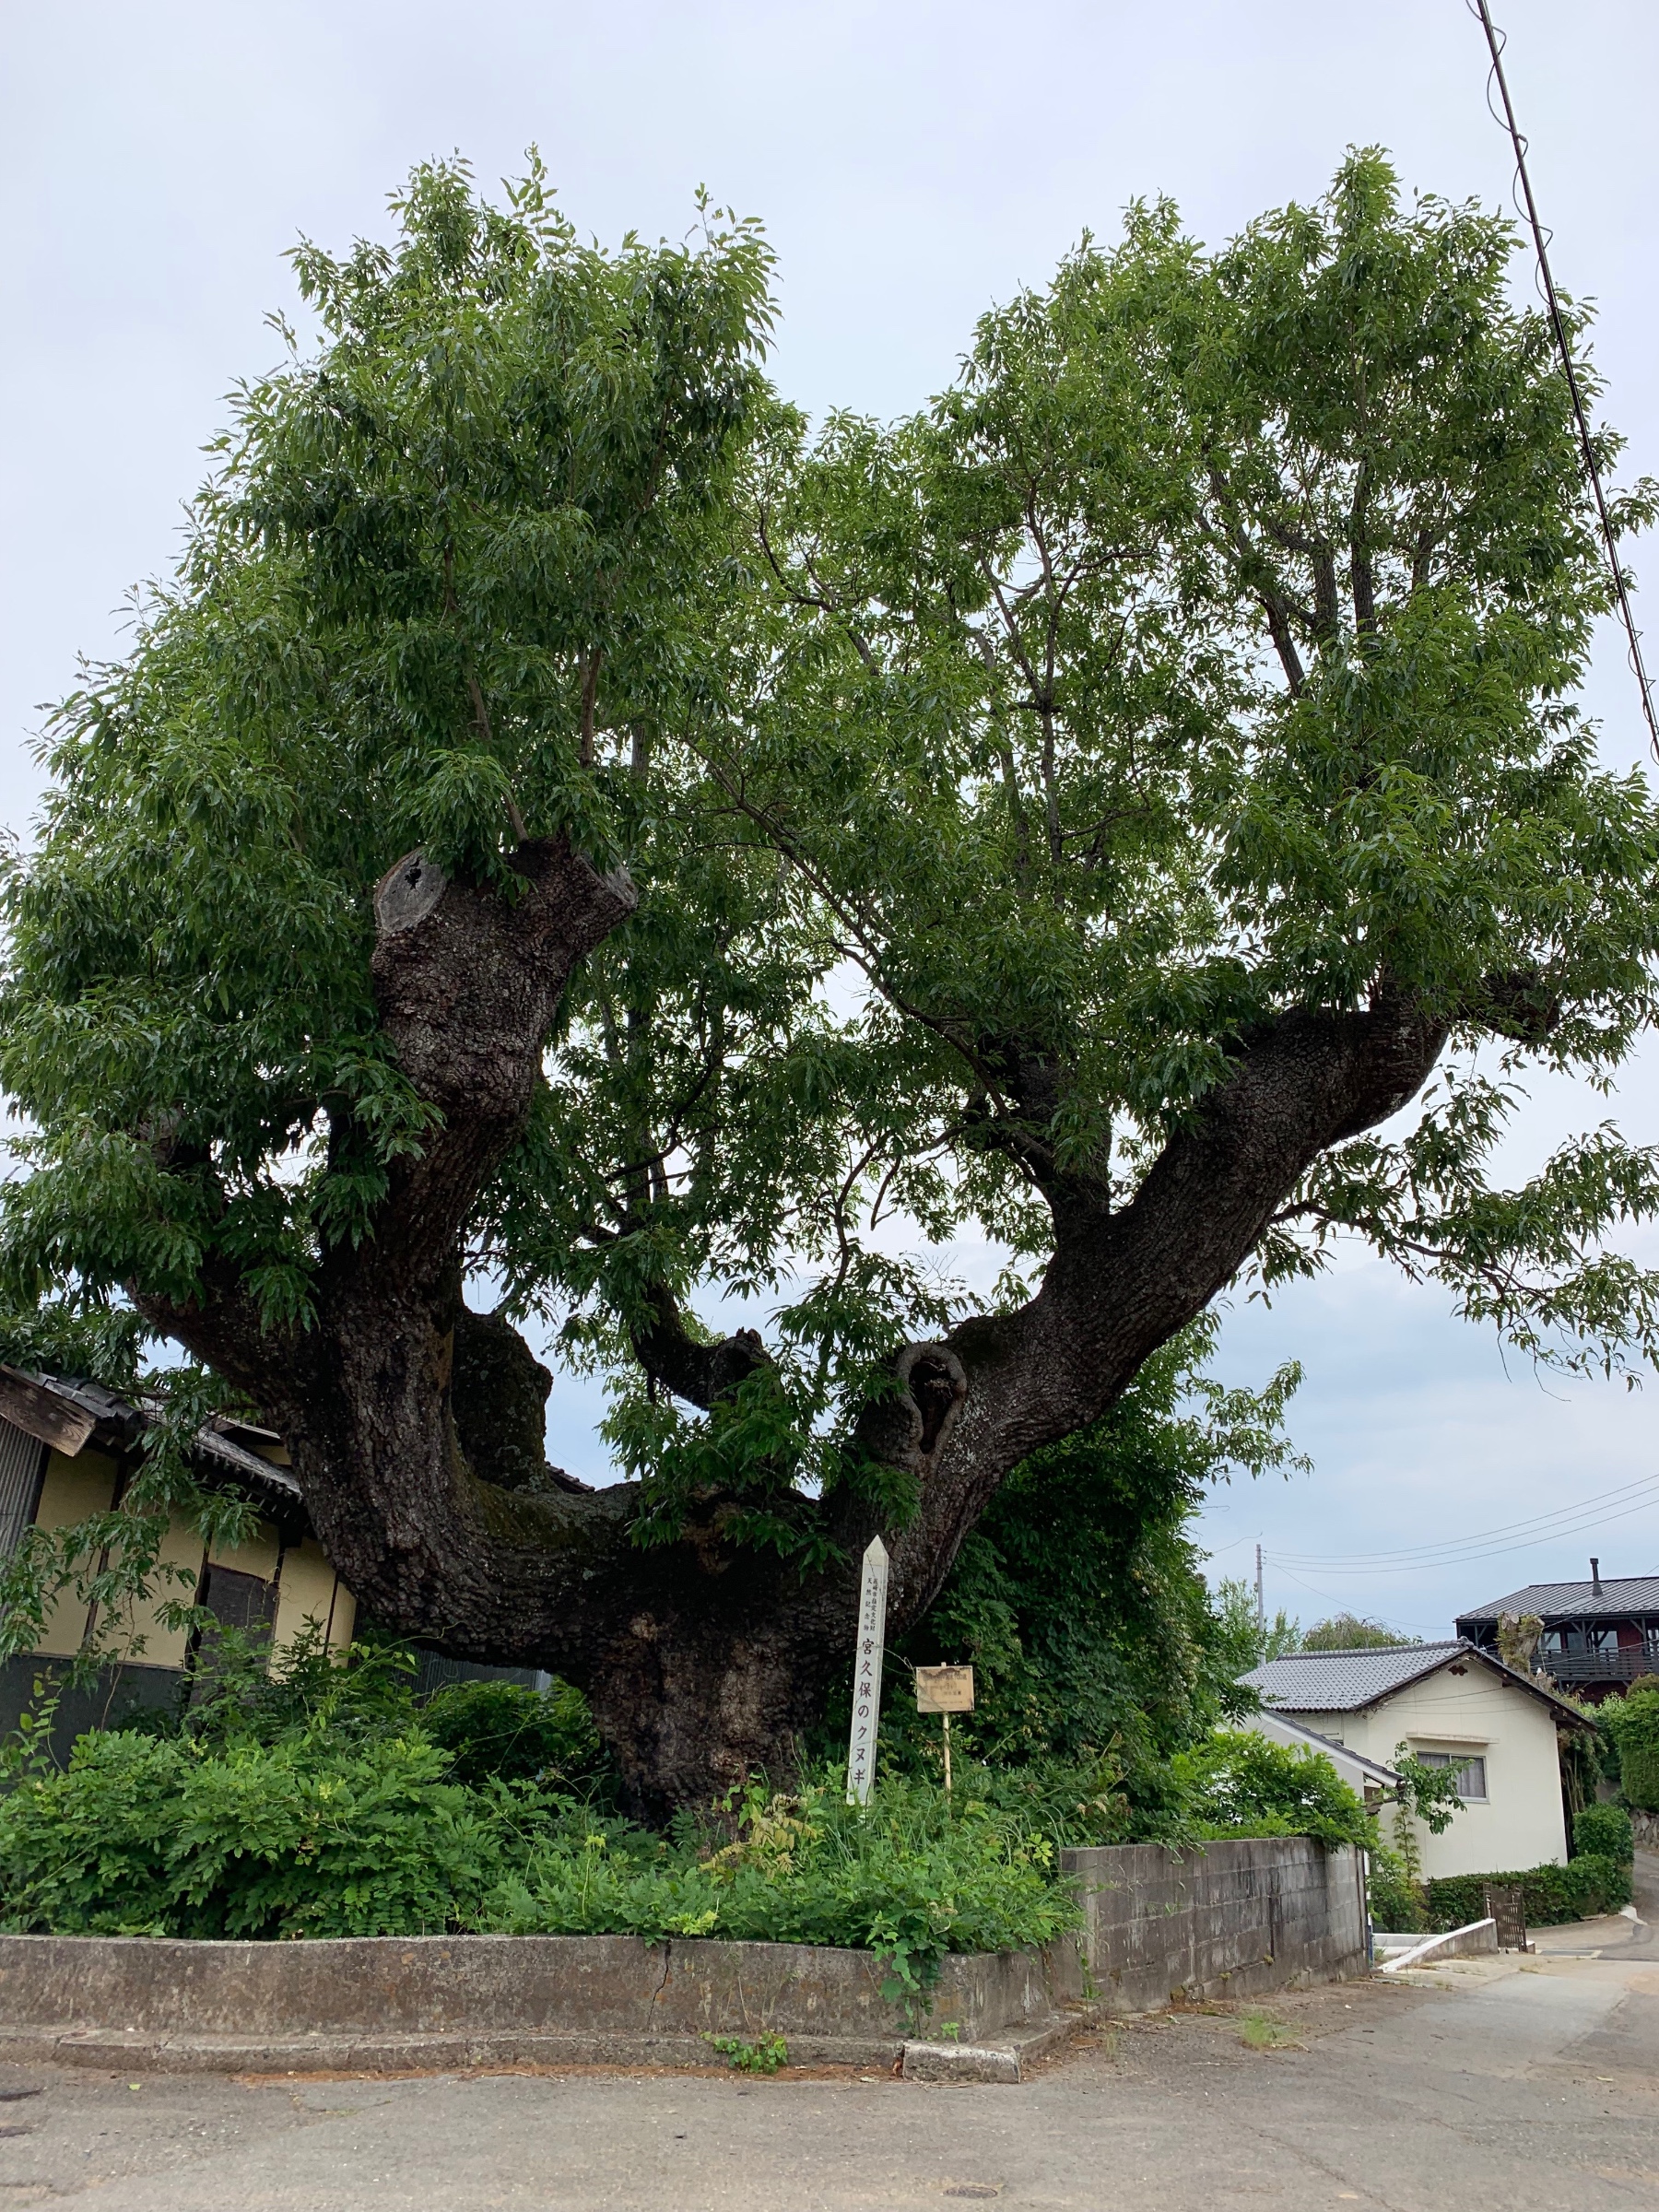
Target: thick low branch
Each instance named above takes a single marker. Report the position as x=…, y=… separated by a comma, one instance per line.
x=466, y=982
x=682, y=1363
x=1121, y=1284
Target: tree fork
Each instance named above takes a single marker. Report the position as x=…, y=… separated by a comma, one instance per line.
x=705, y=1662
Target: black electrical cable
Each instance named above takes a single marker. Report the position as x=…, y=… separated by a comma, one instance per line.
x=1639, y=1489
x=1495, y=41
x=1470, y=1558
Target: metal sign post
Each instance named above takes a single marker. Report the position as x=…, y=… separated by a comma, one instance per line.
x=945, y=1690
x=866, y=1673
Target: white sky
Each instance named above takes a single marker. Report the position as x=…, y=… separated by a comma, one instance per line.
x=911, y=163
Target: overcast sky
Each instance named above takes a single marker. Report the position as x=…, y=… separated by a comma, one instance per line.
x=911, y=163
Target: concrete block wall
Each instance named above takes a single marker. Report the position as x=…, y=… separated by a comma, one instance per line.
x=1233, y=1919
x=476, y=1985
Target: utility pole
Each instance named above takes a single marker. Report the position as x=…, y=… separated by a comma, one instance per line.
x=1261, y=1608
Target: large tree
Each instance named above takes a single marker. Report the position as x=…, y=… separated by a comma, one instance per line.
x=571, y=834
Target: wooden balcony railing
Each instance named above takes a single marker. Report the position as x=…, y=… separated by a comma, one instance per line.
x=1599, y=1666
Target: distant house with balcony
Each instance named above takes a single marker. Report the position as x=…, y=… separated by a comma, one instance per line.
x=1599, y=1636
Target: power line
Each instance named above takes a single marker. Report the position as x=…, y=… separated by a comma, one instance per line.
x=1329, y=1599
x=1496, y=43
x=1473, y=1559
x=1533, y=1524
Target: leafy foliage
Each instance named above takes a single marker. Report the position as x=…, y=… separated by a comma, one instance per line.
x=1267, y=1639
x=1191, y=682
x=371, y=1834
x=1207, y=651
x=1604, y=1832
x=236, y=1694
x=1243, y=1784
x=155, y=1836
x=1394, y=1898
x=423, y=547
x=1348, y=1633
x=910, y=1877
x=522, y=1735
x=1427, y=1792
x=1582, y=1890
x=766, y=2055
x=1632, y=1722
x=1587, y=1757
x=327, y=1800
x=1078, y=1597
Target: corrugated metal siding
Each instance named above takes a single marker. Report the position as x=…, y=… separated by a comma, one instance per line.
x=21, y=1459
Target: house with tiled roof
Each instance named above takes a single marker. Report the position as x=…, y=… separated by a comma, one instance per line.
x=1599, y=1636
x=1451, y=1704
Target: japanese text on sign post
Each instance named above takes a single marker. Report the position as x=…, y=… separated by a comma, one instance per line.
x=867, y=1674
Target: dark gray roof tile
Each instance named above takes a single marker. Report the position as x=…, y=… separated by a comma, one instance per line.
x=1620, y=1595
x=1342, y=1681
x=1347, y=1681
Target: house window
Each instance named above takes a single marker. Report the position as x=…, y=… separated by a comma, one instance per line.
x=1471, y=1772
x=22, y=1461
x=238, y=1601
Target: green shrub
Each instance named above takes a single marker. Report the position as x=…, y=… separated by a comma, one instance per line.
x=1632, y=1722
x=489, y=1728
x=147, y=1836
x=234, y=1694
x=1550, y=1895
x=1241, y=1783
x=519, y=1734
x=1604, y=1832
x=766, y=2055
x=911, y=1877
x=1395, y=1901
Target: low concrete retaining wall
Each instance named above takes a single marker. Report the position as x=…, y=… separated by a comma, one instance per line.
x=1479, y=1939
x=1231, y=1918
x=475, y=2000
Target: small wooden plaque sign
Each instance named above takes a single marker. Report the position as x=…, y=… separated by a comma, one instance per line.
x=943, y=1690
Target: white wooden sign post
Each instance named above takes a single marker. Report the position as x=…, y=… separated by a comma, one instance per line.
x=866, y=1673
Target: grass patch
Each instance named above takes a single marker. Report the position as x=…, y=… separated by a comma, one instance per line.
x=1262, y=2030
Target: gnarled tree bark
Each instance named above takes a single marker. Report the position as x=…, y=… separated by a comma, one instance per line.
x=703, y=1660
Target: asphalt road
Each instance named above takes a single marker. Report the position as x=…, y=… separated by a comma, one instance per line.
x=1509, y=2084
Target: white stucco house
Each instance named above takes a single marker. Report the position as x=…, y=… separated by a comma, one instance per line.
x=1368, y=1778
x=1449, y=1703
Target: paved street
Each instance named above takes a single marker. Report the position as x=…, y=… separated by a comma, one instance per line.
x=1514, y=2085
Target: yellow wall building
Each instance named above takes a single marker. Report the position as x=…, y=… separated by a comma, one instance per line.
x=67, y=1452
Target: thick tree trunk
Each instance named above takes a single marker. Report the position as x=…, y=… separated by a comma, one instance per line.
x=705, y=1662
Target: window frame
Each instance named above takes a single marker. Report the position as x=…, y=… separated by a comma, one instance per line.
x=1464, y=1762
